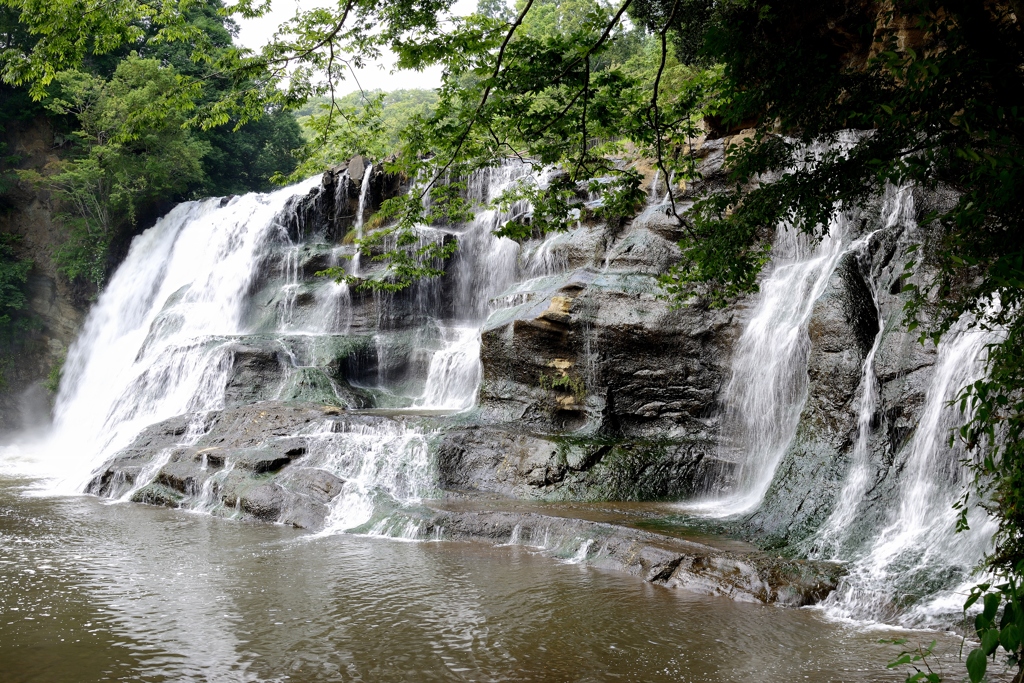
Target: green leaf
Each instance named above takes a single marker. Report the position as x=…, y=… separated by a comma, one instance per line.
x=976, y=665
x=1009, y=615
x=991, y=606
x=903, y=659
x=1009, y=638
x=990, y=641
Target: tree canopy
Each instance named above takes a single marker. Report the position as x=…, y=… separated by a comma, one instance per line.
x=121, y=115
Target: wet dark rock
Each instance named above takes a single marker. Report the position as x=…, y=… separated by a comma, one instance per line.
x=247, y=461
x=602, y=352
x=506, y=461
x=318, y=485
x=263, y=502
x=256, y=375
x=181, y=475
x=157, y=494
x=271, y=460
x=841, y=332
x=665, y=560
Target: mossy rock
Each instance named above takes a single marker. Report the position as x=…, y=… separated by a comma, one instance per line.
x=311, y=385
x=158, y=494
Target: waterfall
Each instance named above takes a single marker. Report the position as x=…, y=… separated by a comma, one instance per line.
x=668, y=187
x=837, y=527
x=768, y=387
x=216, y=278
x=157, y=343
x=485, y=267
x=454, y=373
x=916, y=569
x=360, y=213
x=912, y=568
x=218, y=283
x=653, y=194
x=898, y=209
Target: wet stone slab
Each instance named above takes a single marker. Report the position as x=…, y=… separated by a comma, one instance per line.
x=262, y=462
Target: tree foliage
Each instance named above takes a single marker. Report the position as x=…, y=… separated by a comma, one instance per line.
x=13, y=275
x=122, y=113
x=367, y=123
x=127, y=154
x=13, y=298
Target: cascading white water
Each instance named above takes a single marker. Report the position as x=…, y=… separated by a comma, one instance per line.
x=156, y=344
x=382, y=464
x=653, y=194
x=486, y=266
x=211, y=275
x=454, y=373
x=918, y=553
x=766, y=393
x=290, y=289
x=360, y=215
x=898, y=208
x=668, y=188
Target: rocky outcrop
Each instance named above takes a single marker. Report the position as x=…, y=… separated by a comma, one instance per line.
x=261, y=462
x=593, y=386
x=672, y=562
x=54, y=310
x=507, y=461
x=596, y=353
x=601, y=351
x=866, y=298
x=248, y=462
x=331, y=209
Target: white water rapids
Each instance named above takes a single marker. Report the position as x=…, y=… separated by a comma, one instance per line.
x=161, y=341
x=155, y=344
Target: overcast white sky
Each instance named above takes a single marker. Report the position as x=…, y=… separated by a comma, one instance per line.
x=255, y=33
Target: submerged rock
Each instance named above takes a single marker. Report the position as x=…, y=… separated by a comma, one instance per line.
x=750, y=576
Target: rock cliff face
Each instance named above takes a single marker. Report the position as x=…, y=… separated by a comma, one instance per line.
x=594, y=386
x=55, y=315
x=268, y=461
x=623, y=381
x=863, y=306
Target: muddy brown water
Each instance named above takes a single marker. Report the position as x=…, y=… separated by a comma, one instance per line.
x=99, y=591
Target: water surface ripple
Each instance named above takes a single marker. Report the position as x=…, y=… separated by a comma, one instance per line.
x=98, y=591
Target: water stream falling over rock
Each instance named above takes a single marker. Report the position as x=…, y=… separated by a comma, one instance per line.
x=916, y=567
x=766, y=393
x=214, y=309
x=161, y=340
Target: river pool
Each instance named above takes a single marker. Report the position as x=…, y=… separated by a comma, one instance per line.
x=98, y=591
